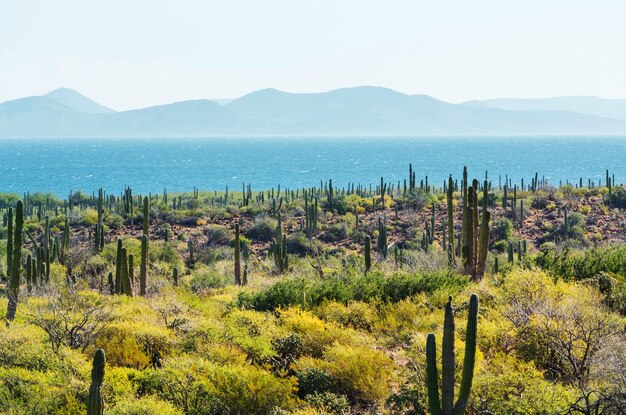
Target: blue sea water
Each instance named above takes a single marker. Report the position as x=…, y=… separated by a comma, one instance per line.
x=150, y=165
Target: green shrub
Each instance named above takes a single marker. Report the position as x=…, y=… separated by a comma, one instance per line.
x=502, y=229
x=373, y=285
x=298, y=244
x=329, y=403
x=263, y=229
x=501, y=246
x=335, y=233
x=314, y=381
x=207, y=278
x=146, y=405
x=218, y=235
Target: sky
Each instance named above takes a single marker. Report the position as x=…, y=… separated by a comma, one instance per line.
x=135, y=53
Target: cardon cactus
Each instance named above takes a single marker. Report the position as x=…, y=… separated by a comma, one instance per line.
x=95, y=400
x=368, y=253
x=16, y=258
x=444, y=404
x=237, y=256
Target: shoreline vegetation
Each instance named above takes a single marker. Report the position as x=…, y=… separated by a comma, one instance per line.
x=321, y=300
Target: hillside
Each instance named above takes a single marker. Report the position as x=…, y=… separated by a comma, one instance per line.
x=362, y=111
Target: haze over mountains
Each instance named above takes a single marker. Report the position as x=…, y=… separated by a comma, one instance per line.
x=358, y=111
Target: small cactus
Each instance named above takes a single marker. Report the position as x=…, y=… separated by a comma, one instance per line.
x=95, y=400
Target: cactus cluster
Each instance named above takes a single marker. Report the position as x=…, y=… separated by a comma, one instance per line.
x=443, y=404
x=474, y=235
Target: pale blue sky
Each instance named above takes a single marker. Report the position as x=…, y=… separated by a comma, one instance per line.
x=133, y=53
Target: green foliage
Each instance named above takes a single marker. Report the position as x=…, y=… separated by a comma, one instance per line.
x=502, y=229
x=205, y=278
x=373, y=285
x=263, y=229
x=146, y=405
x=579, y=265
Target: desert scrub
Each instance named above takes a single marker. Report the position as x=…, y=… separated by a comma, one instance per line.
x=207, y=277
x=263, y=229
x=375, y=285
x=198, y=386
x=362, y=374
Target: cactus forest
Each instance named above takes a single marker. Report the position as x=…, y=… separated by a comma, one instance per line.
x=476, y=295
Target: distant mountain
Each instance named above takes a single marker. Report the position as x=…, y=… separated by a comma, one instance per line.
x=72, y=99
x=601, y=107
x=362, y=111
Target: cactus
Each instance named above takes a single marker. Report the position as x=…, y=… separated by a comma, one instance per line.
x=278, y=248
x=130, y=276
x=432, y=224
x=111, y=283
x=368, y=253
x=95, y=400
x=118, y=268
x=483, y=243
x=99, y=234
x=190, y=250
x=444, y=404
x=496, y=267
x=474, y=235
x=29, y=272
x=467, y=248
x=237, y=256
x=175, y=276
x=449, y=197
x=382, y=239
x=383, y=190
x=143, y=266
x=14, y=276
x=9, y=242
x=510, y=252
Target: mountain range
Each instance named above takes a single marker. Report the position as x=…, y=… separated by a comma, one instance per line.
x=358, y=111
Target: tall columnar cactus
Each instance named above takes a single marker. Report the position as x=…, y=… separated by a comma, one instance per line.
x=368, y=253
x=383, y=190
x=449, y=197
x=444, y=404
x=467, y=248
x=382, y=239
x=175, y=276
x=190, y=250
x=118, y=268
x=14, y=276
x=124, y=282
x=95, y=400
x=237, y=256
x=278, y=248
x=9, y=243
x=331, y=192
x=143, y=266
x=146, y=216
x=99, y=234
x=130, y=275
x=432, y=224
x=483, y=243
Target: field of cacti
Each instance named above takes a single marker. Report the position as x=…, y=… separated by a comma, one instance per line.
x=322, y=300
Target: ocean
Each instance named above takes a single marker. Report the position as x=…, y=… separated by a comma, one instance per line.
x=178, y=164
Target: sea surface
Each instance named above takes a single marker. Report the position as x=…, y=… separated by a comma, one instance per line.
x=179, y=164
